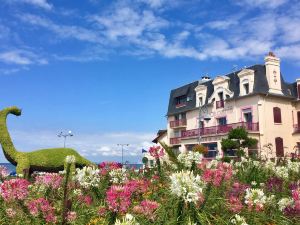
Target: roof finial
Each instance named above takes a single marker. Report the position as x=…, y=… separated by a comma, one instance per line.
x=271, y=54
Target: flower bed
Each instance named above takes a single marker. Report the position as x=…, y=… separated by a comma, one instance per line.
x=187, y=191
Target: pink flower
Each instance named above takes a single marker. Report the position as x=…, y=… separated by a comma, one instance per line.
x=156, y=152
x=3, y=172
x=146, y=208
x=102, y=211
x=10, y=212
x=71, y=216
x=14, y=189
x=235, y=204
x=43, y=207
x=223, y=172
x=118, y=198
x=51, y=180
x=86, y=199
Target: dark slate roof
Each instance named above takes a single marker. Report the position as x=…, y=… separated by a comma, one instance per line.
x=159, y=134
x=260, y=87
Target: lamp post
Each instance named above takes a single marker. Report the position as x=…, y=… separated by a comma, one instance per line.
x=122, y=145
x=203, y=110
x=65, y=135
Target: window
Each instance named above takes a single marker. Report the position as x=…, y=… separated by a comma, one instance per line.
x=220, y=94
x=246, y=88
x=181, y=101
x=248, y=117
x=277, y=115
x=279, y=147
x=200, y=101
x=180, y=116
x=176, y=150
x=222, y=121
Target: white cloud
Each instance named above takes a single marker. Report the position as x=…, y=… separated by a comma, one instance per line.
x=129, y=23
x=21, y=57
x=272, y=4
x=38, y=3
x=74, y=32
x=95, y=146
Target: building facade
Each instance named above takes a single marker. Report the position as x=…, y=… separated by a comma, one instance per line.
x=256, y=98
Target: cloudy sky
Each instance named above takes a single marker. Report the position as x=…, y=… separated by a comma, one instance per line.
x=104, y=69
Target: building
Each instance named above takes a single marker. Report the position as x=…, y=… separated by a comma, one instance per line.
x=256, y=98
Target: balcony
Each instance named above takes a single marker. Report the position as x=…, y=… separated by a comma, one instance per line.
x=221, y=129
x=179, y=105
x=175, y=141
x=219, y=104
x=178, y=123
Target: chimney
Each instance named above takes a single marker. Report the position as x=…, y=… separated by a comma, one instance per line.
x=272, y=64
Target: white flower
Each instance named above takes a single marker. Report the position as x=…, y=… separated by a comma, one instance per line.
x=127, y=220
x=285, y=202
x=77, y=192
x=187, y=158
x=70, y=159
x=253, y=183
x=293, y=166
x=187, y=186
x=238, y=220
x=282, y=172
x=255, y=197
x=118, y=175
x=87, y=177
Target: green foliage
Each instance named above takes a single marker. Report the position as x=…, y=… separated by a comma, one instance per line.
x=50, y=160
x=145, y=160
x=172, y=156
x=238, y=133
x=228, y=144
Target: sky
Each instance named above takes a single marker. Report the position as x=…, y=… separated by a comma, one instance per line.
x=104, y=69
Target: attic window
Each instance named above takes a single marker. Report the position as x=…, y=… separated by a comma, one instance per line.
x=246, y=88
x=181, y=101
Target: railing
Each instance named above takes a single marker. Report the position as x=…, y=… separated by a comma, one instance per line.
x=220, y=104
x=178, y=123
x=221, y=129
x=174, y=141
x=296, y=128
x=179, y=105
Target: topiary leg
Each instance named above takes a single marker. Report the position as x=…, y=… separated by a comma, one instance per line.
x=23, y=166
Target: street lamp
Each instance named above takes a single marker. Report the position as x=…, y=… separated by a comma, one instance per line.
x=122, y=145
x=65, y=135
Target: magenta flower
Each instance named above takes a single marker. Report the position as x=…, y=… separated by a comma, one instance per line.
x=3, y=172
x=42, y=207
x=14, y=189
x=51, y=180
x=156, y=152
x=118, y=198
x=147, y=208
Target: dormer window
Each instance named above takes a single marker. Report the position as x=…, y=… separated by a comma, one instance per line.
x=220, y=94
x=246, y=88
x=200, y=101
x=246, y=77
x=180, y=101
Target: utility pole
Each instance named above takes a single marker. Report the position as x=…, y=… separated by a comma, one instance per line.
x=122, y=145
x=65, y=135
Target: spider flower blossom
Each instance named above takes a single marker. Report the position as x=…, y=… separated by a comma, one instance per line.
x=187, y=158
x=42, y=207
x=118, y=176
x=255, y=199
x=238, y=220
x=87, y=177
x=70, y=159
x=146, y=208
x=14, y=189
x=118, y=198
x=3, y=172
x=187, y=186
x=127, y=220
x=50, y=180
x=156, y=152
x=223, y=172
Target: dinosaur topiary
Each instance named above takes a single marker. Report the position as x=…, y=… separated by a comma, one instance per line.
x=46, y=160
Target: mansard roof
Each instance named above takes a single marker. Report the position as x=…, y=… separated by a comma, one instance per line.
x=260, y=87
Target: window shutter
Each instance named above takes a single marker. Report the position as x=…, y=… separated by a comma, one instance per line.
x=298, y=90
x=279, y=147
x=277, y=115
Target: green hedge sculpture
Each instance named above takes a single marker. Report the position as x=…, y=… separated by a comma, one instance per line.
x=45, y=160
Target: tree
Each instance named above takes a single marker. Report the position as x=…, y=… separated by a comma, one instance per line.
x=238, y=139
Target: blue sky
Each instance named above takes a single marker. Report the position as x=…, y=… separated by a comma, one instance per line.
x=104, y=69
